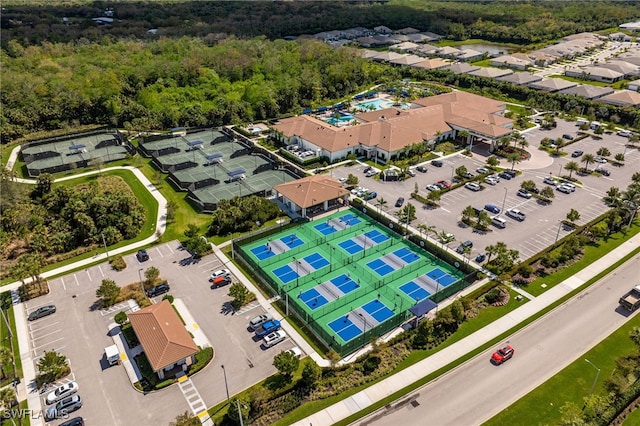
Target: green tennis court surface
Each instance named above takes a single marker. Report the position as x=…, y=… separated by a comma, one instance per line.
x=348, y=277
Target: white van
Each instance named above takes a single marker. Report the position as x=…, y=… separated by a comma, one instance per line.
x=498, y=222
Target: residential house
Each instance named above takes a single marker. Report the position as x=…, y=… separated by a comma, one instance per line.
x=164, y=339
x=619, y=37
x=461, y=68
x=387, y=56
x=407, y=60
x=353, y=33
x=627, y=69
x=407, y=30
x=587, y=91
x=630, y=26
x=520, y=78
x=634, y=85
x=552, y=84
x=431, y=64
x=448, y=52
x=622, y=98
x=427, y=50
x=407, y=46
x=467, y=55
x=432, y=36
x=381, y=29
x=490, y=72
x=594, y=73
x=543, y=59
x=512, y=61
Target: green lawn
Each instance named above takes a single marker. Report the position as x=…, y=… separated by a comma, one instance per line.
x=572, y=384
x=591, y=254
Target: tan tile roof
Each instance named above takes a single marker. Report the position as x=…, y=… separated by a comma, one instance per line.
x=312, y=190
x=431, y=64
x=622, y=97
x=162, y=335
x=392, y=129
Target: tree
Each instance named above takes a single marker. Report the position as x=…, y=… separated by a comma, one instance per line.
x=467, y=213
x=43, y=185
x=514, y=158
x=407, y=213
x=6, y=359
x=311, y=374
x=121, y=318
x=191, y=231
x=634, y=335
x=185, y=419
x=434, y=197
x=197, y=246
x=352, y=179
x=381, y=204
x=7, y=398
x=52, y=366
x=619, y=157
x=493, y=161
x=286, y=363
x=571, y=167
x=234, y=414
x=528, y=185
x=573, y=215
x=108, y=291
x=547, y=193
x=613, y=197
x=461, y=171
x=571, y=415
x=483, y=220
x=587, y=159
x=603, y=152
x=426, y=229
x=151, y=274
x=240, y=295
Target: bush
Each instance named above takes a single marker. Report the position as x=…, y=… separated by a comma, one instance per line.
x=120, y=318
x=168, y=297
x=493, y=295
x=203, y=357
x=370, y=365
x=118, y=263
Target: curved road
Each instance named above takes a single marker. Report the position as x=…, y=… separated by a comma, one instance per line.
x=478, y=390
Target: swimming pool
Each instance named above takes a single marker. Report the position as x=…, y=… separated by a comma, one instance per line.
x=342, y=119
x=377, y=104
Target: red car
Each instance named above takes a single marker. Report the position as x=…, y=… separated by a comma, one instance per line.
x=443, y=184
x=502, y=355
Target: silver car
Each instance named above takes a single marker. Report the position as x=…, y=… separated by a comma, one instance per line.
x=64, y=407
x=61, y=392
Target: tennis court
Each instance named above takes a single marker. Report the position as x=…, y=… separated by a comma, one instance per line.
x=442, y=277
x=345, y=328
x=414, y=291
x=349, y=281
x=378, y=310
x=380, y=267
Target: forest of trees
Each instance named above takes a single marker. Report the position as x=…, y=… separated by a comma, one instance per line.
x=171, y=82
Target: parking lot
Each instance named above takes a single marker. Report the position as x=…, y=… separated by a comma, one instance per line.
x=543, y=223
x=79, y=329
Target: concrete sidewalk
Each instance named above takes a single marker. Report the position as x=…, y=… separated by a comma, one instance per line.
x=396, y=382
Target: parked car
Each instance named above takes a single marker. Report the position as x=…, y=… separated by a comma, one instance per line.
x=550, y=181
x=42, y=312
x=371, y=173
x=603, y=172
x=502, y=354
x=463, y=246
x=142, y=255
x=564, y=189
x=399, y=202
x=482, y=170
x=437, y=163
x=433, y=188
x=490, y=180
x=600, y=160
x=481, y=258
x=524, y=193
x=411, y=172
x=511, y=173
x=370, y=195
x=492, y=208
x=473, y=186
x=158, y=290
x=367, y=169
x=443, y=184
x=421, y=169
x=569, y=185
x=505, y=176
x=267, y=327
x=274, y=338
x=295, y=351
x=342, y=179
x=221, y=281
x=577, y=153
x=516, y=214
x=567, y=136
x=62, y=408
x=468, y=175
x=61, y=392
x=76, y=421
x=219, y=273
x=259, y=320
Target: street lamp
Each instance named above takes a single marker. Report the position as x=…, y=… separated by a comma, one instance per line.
x=558, y=233
x=594, y=380
x=504, y=200
x=226, y=386
x=141, y=283
x=452, y=170
x=105, y=246
x=364, y=332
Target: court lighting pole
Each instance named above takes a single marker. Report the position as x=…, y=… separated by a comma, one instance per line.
x=504, y=201
x=141, y=284
x=594, y=381
x=365, y=329
x=226, y=386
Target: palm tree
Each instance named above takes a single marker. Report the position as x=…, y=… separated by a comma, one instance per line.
x=426, y=229
x=613, y=197
x=572, y=166
x=490, y=250
x=6, y=358
x=467, y=213
x=523, y=143
x=619, y=157
x=603, y=152
x=514, y=158
x=587, y=159
x=7, y=397
x=381, y=204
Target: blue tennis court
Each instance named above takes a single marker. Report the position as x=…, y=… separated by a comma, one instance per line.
x=443, y=278
x=350, y=219
x=345, y=284
x=313, y=298
x=292, y=241
x=350, y=246
x=378, y=310
x=325, y=229
x=262, y=252
x=414, y=291
x=316, y=261
x=285, y=273
x=380, y=267
x=345, y=328
x=407, y=255
x=377, y=236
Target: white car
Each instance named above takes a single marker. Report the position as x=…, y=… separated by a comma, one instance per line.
x=61, y=392
x=342, y=180
x=600, y=160
x=516, y=214
x=295, y=351
x=433, y=187
x=274, y=338
x=220, y=273
x=259, y=320
x=482, y=170
x=490, y=180
x=571, y=186
x=564, y=189
x=473, y=186
x=550, y=181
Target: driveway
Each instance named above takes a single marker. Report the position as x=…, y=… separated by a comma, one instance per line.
x=79, y=330
x=542, y=226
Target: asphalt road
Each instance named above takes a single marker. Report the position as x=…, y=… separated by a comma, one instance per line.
x=478, y=390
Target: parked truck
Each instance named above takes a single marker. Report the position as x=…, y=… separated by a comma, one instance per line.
x=113, y=354
x=267, y=327
x=631, y=300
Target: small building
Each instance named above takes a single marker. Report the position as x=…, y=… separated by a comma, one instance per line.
x=520, y=78
x=461, y=68
x=622, y=98
x=468, y=55
x=552, y=84
x=587, y=91
x=164, y=339
x=491, y=72
x=511, y=61
x=312, y=194
x=604, y=75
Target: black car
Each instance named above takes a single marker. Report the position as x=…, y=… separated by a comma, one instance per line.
x=42, y=312
x=76, y=421
x=511, y=173
x=400, y=202
x=603, y=172
x=367, y=169
x=504, y=175
x=437, y=163
x=142, y=255
x=421, y=169
x=481, y=257
x=158, y=290
x=577, y=153
x=463, y=246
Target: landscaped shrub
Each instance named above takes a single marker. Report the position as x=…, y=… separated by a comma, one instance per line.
x=130, y=336
x=493, y=295
x=203, y=357
x=118, y=263
x=370, y=364
x=120, y=318
x=168, y=297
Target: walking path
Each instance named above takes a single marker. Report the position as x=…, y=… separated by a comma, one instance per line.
x=396, y=382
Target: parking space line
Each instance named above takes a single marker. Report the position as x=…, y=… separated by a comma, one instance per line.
x=75, y=277
x=100, y=269
x=33, y=339
x=159, y=252
x=64, y=287
x=88, y=274
x=36, y=358
x=35, y=348
x=51, y=324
